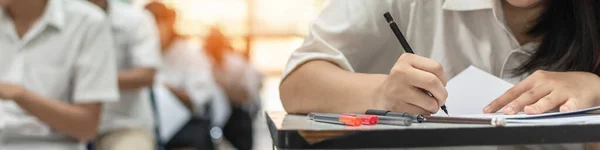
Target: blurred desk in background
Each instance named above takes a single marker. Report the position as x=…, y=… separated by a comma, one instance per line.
x=298, y=132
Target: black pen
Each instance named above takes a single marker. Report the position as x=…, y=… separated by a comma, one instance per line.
x=404, y=43
x=414, y=117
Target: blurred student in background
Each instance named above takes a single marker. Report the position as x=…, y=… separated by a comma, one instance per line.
x=234, y=74
x=57, y=68
x=182, y=74
x=240, y=83
x=129, y=123
x=209, y=94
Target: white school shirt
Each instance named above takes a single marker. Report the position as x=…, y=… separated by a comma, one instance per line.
x=137, y=45
x=67, y=56
x=354, y=35
x=186, y=67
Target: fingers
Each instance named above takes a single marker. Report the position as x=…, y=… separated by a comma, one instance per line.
x=510, y=95
x=424, y=64
x=546, y=103
x=429, y=83
x=570, y=105
x=422, y=100
x=527, y=98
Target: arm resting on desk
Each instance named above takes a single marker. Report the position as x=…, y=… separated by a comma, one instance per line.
x=320, y=86
x=78, y=120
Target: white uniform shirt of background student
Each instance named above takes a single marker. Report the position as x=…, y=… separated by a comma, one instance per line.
x=66, y=55
x=137, y=46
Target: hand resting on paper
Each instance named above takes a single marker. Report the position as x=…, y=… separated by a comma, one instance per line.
x=546, y=90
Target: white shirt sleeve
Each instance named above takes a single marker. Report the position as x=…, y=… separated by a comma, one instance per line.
x=347, y=33
x=145, y=46
x=95, y=74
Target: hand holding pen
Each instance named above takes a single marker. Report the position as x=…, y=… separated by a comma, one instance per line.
x=415, y=84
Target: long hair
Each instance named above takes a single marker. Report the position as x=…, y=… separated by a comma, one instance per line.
x=570, y=38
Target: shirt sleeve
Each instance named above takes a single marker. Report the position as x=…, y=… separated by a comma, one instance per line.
x=95, y=77
x=145, y=46
x=347, y=33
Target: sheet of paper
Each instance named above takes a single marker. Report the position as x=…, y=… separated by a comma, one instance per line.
x=471, y=90
x=573, y=118
x=523, y=116
x=173, y=114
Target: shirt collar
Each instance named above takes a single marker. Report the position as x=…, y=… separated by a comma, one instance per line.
x=468, y=5
x=54, y=14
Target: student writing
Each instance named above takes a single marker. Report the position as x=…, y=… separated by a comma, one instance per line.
x=350, y=61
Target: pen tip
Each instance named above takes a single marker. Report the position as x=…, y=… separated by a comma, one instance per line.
x=445, y=110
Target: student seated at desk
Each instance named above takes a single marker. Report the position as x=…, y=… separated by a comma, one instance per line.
x=187, y=74
x=351, y=61
x=57, y=68
x=129, y=123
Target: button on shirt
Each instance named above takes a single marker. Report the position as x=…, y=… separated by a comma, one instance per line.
x=137, y=45
x=354, y=35
x=68, y=56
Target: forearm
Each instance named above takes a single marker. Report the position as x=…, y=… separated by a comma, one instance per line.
x=136, y=78
x=78, y=121
x=319, y=86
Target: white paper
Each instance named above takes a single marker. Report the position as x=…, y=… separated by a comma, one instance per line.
x=471, y=90
x=523, y=116
x=555, y=119
x=172, y=113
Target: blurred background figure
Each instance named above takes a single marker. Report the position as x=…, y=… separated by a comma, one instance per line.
x=129, y=123
x=241, y=84
x=222, y=61
x=227, y=55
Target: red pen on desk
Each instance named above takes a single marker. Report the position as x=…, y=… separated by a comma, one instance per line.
x=335, y=119
x=366, y=119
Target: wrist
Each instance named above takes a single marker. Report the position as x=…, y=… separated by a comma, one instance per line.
x=378, y=97
x=21, y=95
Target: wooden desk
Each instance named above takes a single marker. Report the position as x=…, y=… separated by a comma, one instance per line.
x=297, y=132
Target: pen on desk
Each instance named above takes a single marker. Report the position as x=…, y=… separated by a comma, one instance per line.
x=366, y=119
x=434, y=119
x=398, y=121
x=414, y=117
x=404, y=43
x=489, y=121
x=374, y=119
x=335, y=119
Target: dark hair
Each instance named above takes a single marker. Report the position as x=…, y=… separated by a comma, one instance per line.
x=216, y=45
x=571, y=38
